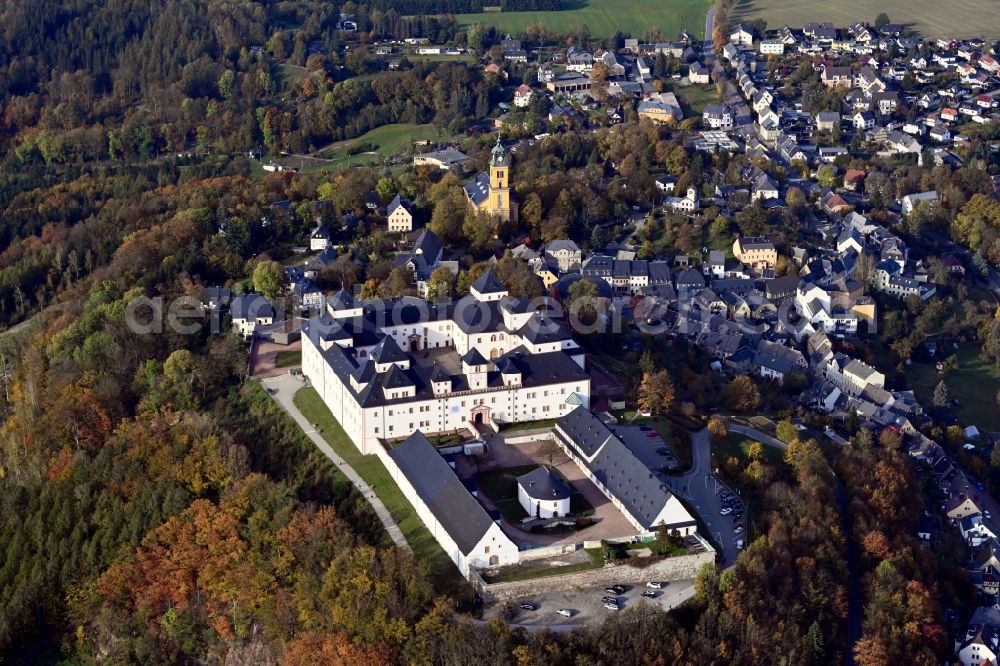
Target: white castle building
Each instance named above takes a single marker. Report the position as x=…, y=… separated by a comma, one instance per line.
x=387, y=368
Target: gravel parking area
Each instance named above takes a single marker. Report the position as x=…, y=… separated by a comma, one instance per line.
x=588, y=607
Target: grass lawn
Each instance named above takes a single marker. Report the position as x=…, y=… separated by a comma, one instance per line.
x=963, y=18
x=738, y=445
x=543, y=569
x=974, y=385
x=694, y=99
x=443, y=573
x=604, y=17
x=501, y=486
x=290, y=76
x=287, y=359
x=387, y=140
x=529, y=425
x=468, y=58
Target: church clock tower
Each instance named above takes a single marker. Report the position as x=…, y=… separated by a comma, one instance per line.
x=499, y=201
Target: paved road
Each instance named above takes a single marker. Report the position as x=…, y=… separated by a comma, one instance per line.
x=283, y=388
x=758, y=435
x=700, y=488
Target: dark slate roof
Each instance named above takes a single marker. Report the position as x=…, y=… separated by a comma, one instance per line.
x=473, y=316
x=438, y=374
x=218, y=295
x=473, y=357
x=428, y=243
x=251, y=306
x=540, y=329
x=387, y=351
x=541, y=483
x=478, y=189
x=614, y=465
x=488, y=283
x=342, y=300
x=458, y=512
x=397, y=202
x=690, y=277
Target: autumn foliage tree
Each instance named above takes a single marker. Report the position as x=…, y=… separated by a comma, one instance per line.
x=656, y=393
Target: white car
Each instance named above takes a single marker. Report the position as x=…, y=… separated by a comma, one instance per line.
x=738, y=530
x=566, y=612
x=655, y=584
x=611, y=606
x=725, y=511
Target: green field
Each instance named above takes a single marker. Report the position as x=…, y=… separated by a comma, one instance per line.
x=604, y=17
x=694, y=99
x=974, y=386
x=442, y=571
x=932, y=18
x=388, y=139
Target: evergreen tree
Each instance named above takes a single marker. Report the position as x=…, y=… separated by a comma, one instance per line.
x=942, y=397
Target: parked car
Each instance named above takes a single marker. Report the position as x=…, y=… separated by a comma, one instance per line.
x=610, y=590
x=528, y=607
x=649, y=593
x=725, y=511
x=645, y=428
x=611, y=606
x=565, y=612
x=663, y=451
x=619, y=589
x=609, y=600
x=655, y=584
x=739, y=544
x=652, y=434
x=738, y=530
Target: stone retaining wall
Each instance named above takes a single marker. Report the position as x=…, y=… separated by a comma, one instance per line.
x=684, y=567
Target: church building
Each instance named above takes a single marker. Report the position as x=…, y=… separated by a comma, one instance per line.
x=489, y=192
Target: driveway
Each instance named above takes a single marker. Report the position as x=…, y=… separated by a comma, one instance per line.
x=264, y=356
x=701, y=489
x=282, y=389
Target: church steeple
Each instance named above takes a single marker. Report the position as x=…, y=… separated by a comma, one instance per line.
x=498, y=156
x=499, y=172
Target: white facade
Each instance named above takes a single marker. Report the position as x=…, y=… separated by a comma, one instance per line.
x=400, y=219
x=494, y=549
x=772, y=47
x=444, y=410
x=539, y=507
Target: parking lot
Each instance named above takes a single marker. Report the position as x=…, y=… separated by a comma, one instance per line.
x=587, y=605
x=698, y=487
x=647, y=446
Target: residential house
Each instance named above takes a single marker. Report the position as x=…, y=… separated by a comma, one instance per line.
x=981, y=645
x=717, y=116
x=908, y=202
x=565, y=254
x=757, y=252
x=399, y=215
x=319, y=239
x=250, y=311
x=741, y=34
x=522, y=96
